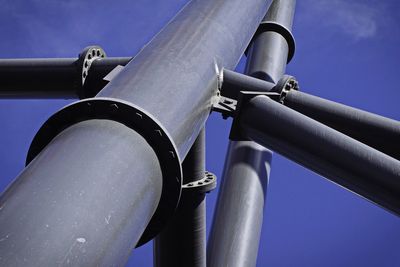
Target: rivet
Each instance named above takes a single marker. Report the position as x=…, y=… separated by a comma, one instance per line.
x=159, y=132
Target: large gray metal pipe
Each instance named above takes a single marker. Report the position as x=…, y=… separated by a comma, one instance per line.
x=84, y=201
x=345, y=161
x=165, y=94
x=237, y=222
x=179, y=68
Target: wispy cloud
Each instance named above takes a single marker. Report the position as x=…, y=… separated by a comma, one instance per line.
x=358, y=19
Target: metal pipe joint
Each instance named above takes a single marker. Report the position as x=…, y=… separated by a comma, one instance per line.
x=141, y=122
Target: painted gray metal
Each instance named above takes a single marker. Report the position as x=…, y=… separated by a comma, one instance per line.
x=270, y=64
x=43, y=78
x=376, y=131
x=101, y=165
x=183, y=241
x=175, y=76
x=343, y=160
x=84, y=201
x=237, y=222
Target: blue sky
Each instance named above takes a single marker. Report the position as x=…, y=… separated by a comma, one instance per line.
x=347, y=51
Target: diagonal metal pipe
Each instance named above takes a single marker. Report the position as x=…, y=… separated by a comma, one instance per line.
x=341, y=159
x=376, y=131
x=139, y=127
x=371, y=129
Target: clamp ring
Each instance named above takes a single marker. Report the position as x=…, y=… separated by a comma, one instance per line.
x=272, y=26
x=140, y=121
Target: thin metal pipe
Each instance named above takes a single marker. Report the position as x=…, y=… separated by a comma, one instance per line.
x=237, y=222
x=376, y=131
x=38, y=78
x=343, y=160
x=51, y=77
x=183, y=241
x=171, y=84
x=270, y=64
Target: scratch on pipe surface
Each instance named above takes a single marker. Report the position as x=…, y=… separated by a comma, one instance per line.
x=4, y=238
x=107, y=219
x=79, y=240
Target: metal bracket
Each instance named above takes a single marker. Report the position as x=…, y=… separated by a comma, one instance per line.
x=228, y=106
x=278, y=93
x=204, y=185
x=111, y=75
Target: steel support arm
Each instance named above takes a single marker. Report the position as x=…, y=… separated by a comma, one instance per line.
x=345, y=161
x=376, y=131
x=52, y=78
x=373, y=130
x=140, y=128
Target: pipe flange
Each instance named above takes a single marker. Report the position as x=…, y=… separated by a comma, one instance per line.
x=204, y=185
x=85, y=60
x=272, y=26
x=140, y=121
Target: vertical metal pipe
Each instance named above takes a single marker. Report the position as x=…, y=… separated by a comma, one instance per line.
x=237, y=221
x=183, y=241
x=270, y=64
